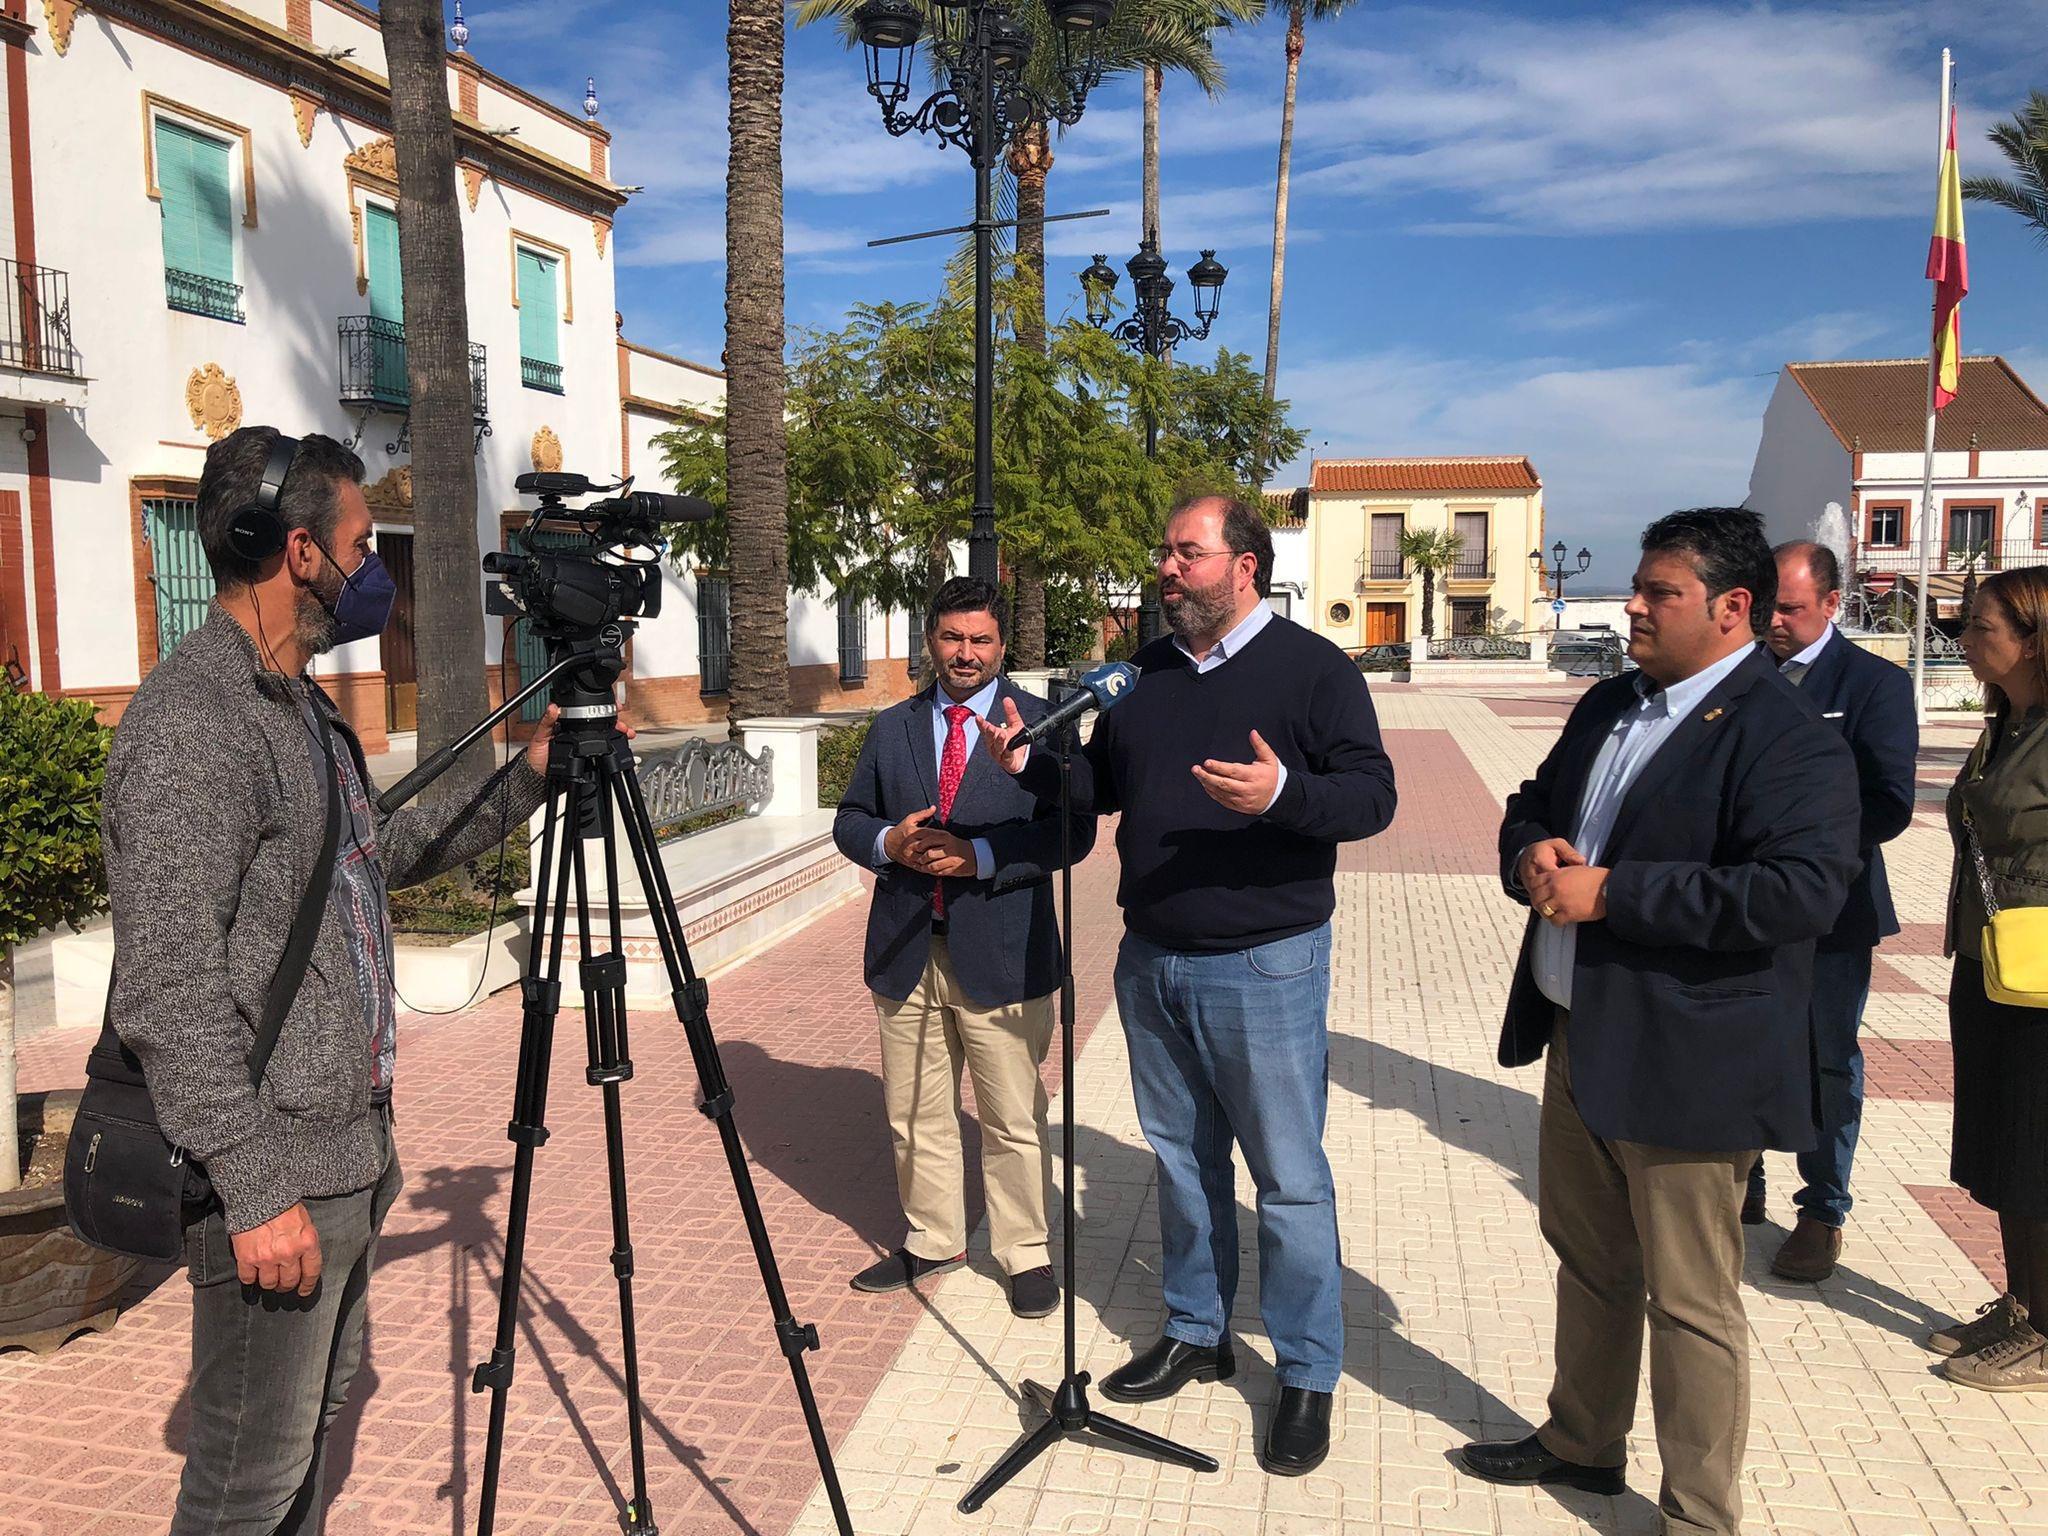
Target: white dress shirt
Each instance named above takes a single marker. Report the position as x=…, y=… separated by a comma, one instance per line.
x=981, y=703
x=1794, y=667
x=1239, y=637
x=1631, y=743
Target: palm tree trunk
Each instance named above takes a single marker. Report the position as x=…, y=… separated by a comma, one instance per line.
x=1154, y=78
x=1030, y=163
x=448, y=615
x=1294, y=42
x=757, y=449
x=10, y=1134
x=1428, y=603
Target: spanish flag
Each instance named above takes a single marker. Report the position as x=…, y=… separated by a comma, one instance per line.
x=1948, y=266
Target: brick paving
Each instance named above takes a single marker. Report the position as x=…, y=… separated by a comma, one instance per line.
x=1448, y=1286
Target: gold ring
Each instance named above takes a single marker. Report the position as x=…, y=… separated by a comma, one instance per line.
x=1548, y=911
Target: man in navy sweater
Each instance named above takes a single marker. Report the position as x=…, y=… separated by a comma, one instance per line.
x=1870, y=700
x=1248, y=751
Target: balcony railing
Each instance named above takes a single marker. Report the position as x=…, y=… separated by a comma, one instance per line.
x=535, y=374
x=372, y=367
x=35, y=334
x=1904, y=559
x=1385, y=568
x=1472, y=565
x=214, y=297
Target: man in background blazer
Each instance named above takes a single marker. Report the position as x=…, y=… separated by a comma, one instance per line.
x=1870, y=701
x=1688, y=838
x=963, y=952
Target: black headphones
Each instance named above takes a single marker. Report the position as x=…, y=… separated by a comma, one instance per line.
x=256, y=531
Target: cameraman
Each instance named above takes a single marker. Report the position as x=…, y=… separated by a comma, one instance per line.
x=216, y=804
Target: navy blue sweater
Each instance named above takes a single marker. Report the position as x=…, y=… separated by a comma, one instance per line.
x=1196, y=876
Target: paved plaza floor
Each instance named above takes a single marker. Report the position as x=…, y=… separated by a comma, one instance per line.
x=1448, y=1286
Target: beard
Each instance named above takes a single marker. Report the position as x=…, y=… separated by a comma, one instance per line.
x=1202, y=612
x=314, y=625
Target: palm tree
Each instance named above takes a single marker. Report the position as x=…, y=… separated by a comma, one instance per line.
x=756, y=441
x=1430, y=550
x=2024, y=143
x=448, y=618
x=1298, y=14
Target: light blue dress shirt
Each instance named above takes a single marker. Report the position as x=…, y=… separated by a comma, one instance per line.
x=981, y=703
x=1238, y=638
x=1633, y=741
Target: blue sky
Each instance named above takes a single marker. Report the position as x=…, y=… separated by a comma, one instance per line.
x=1586, y=232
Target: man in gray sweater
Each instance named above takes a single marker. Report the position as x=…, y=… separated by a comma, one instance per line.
x=216, y=802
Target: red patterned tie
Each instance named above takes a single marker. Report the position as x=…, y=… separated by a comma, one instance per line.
x=952, y=764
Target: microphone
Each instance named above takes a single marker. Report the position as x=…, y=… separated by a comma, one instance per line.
x=1100, y=688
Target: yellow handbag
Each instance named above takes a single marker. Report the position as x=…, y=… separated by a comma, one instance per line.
x=2015, y=941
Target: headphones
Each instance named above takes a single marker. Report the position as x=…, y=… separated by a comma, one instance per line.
x=256, y=531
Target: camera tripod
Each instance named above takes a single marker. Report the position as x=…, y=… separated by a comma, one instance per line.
x=591, y=788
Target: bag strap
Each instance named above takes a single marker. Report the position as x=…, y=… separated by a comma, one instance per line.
x=1977, y=859
x=298, y=949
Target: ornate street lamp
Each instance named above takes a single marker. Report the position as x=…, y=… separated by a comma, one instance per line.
x=980, y=49
x=1151, y=329
x=1557, y=573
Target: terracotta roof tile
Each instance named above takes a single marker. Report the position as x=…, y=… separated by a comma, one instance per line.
x=1514, y=473
x=1290, y=507
x=1883, y=402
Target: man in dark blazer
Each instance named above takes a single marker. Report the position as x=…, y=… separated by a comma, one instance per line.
x=1870, y=701
x=963, y=953
x=1685, y=842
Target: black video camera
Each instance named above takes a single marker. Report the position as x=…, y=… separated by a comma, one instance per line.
x=574, y=570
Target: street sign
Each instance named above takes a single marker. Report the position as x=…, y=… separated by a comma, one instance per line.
x=1557, y=605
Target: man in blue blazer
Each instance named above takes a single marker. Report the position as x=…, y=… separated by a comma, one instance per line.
x=1683, y=845
x=963, y=952
x=1870, y=701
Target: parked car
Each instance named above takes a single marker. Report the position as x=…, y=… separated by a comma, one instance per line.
x=1588, y=653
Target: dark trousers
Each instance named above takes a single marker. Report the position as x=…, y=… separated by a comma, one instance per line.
x=270, y=1372
x=1841, y=986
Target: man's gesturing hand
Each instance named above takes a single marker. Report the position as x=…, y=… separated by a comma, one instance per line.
x=897, y=841
x=938, y=852
x=283, y=1254
x=1244, y=787
x=996, y=739
x=1545, y=858
x=1572, y=893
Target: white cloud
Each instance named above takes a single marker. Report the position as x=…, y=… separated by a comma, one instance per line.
x=1616, y=446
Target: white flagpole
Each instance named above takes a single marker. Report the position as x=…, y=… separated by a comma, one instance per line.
x=1924, y=604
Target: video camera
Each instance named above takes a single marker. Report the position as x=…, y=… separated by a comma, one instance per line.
x=575, y=570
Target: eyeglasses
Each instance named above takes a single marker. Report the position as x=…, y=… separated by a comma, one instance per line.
x=1186, y=554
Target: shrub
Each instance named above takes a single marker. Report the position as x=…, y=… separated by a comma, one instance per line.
x=459, y=902
x=838, y=750
x=53, y=764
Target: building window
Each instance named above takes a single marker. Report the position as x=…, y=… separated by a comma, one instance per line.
x=197, y=205
x=178, y=569
x=1468, y=616
x=714, y=635
x=1475, y=554
x=540, y=346
x=1281, y=601
x=1970, y=532
x=1887, y=527
x=1385, y=557
x=853, y=640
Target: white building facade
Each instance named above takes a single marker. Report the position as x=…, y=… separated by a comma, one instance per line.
x=1854, y=434
x=201, y=207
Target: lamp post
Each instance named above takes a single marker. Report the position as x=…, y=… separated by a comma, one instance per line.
x=1151, y=329
x=1557, y=573
x=981, y=48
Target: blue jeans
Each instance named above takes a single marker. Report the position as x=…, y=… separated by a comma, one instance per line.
x=1227, y=1047
x=1841, y=985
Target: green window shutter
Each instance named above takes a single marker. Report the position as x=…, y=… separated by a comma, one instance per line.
x=380, y=230
x=198, y=202
x=180, y=574
x=539, y=311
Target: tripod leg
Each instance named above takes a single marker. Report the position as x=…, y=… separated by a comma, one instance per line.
x=1137, y=1439
x=692, y=998
x=1028, y=1448
x=604, y=1018
x=541, y=993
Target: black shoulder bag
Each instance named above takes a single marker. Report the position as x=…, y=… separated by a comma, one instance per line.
x=126, y=1187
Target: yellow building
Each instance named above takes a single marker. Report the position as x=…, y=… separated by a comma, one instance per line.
x=1366, y=594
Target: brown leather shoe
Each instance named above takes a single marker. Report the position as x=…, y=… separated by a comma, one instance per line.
x=1810, y=1252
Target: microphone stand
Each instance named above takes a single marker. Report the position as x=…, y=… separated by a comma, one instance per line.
x=1069, y=1412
